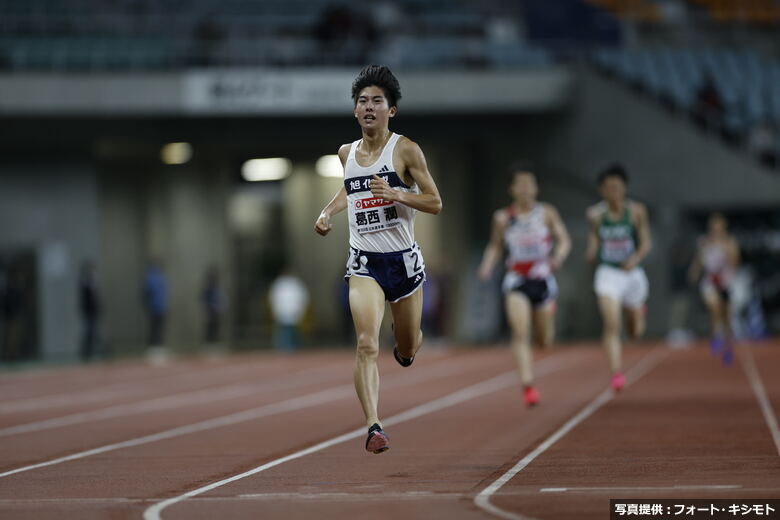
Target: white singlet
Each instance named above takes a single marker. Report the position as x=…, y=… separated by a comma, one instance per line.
x=529, y=243
x=717, y=268
x=377, y=225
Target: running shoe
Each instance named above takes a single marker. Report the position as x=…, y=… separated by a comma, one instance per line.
x=717, y=345
x=618, y=381
x=728, y=355
x=404, y=362
x=530, y=396
x=377, y=440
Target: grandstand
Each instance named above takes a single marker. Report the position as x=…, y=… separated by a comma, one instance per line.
x=114, y=81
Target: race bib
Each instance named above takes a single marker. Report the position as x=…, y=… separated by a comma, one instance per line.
x=373, y=214
x=414, y=263
x=356, y=263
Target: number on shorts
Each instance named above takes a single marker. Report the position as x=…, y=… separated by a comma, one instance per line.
x=416, y=261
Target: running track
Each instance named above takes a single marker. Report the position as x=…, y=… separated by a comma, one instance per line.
x=269, y=436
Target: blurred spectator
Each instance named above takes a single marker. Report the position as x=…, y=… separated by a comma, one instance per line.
x=388, y=18
x=289, y=299
x=762, y=141
x=335, y=25
x=89, y=303
x=502, y=28
x=344, y=36
x=709, y=103
x=208, y=36
x=156, y=301
x=213, y=303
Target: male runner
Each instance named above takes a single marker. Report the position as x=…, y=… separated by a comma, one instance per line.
x=619, y=239
x=386, y=180
x=527, y=229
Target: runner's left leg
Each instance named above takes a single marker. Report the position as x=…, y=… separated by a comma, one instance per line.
x=544, y=324
x=407, y=317
x=635, y=321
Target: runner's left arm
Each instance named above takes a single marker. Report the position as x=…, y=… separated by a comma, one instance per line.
x=560, y=236
x=734, y=254
x=412, y=157
x=642, y=223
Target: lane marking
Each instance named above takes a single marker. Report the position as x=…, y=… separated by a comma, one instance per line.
x=636, y=488
x=297, y=403
x=352, y=497
x=123, y=389
x=371, y=496
x=202, y=396
x=482, y=500
x=486, y=387
x=749, y=366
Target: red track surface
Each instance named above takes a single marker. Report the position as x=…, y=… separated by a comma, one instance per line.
x=688, y=422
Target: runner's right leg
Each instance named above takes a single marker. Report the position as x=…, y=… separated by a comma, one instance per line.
x=518, y=311
x=367, y=302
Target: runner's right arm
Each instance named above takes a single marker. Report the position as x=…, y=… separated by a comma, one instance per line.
x=642, y=223
x=694, y=271
x=593, y=237
x=337, y=204
x=495, y=247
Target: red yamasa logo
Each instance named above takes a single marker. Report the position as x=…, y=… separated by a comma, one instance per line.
x=372, y=203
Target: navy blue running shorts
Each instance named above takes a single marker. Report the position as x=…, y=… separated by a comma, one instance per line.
x=399, y=273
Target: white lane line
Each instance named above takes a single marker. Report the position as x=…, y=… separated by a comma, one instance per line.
x=482, y=500
x=296, y=403
x=637, y=488
x=198, y=397
x=368, y=496
x=124, y=389
x=749, y=366
x=32, y=504
x=500, y=382
x=353, y=497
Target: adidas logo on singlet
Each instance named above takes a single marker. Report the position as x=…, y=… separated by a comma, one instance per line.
x=384, y=169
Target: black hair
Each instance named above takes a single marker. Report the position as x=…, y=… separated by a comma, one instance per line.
x=379, y=76
x=613, y=170
x=519, y=167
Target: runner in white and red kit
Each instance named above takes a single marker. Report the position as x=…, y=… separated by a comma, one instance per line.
x=537, y=243
x=714, y=267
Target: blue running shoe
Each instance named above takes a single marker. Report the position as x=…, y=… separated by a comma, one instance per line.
x=728, y=356
x=717, y=344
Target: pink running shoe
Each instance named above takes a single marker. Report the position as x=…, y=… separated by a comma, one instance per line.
x=530, y=396
x=618, y=381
